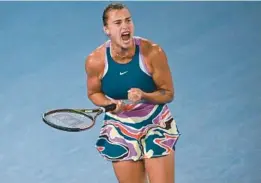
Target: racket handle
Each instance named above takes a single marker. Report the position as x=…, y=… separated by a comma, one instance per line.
x=110, y=107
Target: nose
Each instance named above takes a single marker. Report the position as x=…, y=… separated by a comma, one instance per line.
x=125, y=25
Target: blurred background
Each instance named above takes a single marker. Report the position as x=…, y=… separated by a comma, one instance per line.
x=214, y=51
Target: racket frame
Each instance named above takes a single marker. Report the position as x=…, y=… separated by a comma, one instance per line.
x=83, y=112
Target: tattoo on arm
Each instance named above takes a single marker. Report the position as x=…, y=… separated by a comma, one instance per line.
x=162, y=92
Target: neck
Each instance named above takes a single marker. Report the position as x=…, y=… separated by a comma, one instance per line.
x=122, y=53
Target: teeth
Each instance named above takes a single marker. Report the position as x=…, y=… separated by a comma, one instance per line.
x=126, y=33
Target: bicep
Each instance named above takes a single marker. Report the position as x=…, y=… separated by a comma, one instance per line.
x=93, y=77
x=93, y=85
x=161, y=71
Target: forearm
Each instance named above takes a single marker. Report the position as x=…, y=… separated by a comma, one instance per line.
x=99, y=99
x=159, y=96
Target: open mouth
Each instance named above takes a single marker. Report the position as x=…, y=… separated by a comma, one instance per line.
x=125, y=36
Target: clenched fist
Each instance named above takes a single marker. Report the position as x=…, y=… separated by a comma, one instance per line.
x=135, y=95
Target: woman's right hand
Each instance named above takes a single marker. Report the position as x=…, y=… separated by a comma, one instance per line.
x=119, y=106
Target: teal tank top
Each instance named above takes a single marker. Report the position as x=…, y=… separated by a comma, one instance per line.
x=119, y=78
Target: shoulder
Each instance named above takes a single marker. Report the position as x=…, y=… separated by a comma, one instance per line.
x=150, y=49
x=95, y=61
x=152, y=52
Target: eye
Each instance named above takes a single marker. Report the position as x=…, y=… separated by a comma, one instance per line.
x=117, y=22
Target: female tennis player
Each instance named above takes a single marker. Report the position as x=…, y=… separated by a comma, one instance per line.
x=138, y=137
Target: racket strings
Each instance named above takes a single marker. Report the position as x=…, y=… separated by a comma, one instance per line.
x=69, y=120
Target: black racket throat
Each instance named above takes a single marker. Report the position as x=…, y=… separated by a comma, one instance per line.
x=108, y=108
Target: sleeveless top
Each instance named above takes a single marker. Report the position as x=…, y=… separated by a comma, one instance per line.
x=119, y=78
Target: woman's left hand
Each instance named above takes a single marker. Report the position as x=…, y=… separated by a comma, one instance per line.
x=135, y=94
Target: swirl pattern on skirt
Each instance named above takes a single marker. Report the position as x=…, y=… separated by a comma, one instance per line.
x=141, y=131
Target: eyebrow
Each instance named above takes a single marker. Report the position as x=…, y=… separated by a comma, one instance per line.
x=120, y=19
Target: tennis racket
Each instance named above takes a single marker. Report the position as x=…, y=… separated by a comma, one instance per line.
x=74, y=120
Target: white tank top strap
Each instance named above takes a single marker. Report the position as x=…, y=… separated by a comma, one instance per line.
x=142, y=64
x=136, y=40
x=106, y=66
x=107, y=43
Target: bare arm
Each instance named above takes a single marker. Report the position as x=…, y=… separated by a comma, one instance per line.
x=161, y=75
x=94, y=68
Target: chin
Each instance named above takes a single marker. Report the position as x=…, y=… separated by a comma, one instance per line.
x=127, y=44
x=124, y=46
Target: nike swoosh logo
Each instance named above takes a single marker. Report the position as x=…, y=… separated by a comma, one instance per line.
x=121, y=73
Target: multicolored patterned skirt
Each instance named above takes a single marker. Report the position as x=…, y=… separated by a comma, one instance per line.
x=141, y=131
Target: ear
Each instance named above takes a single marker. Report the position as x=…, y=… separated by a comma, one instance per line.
x=106, y=30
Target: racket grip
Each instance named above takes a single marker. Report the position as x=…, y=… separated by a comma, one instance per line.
x=110, y=107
